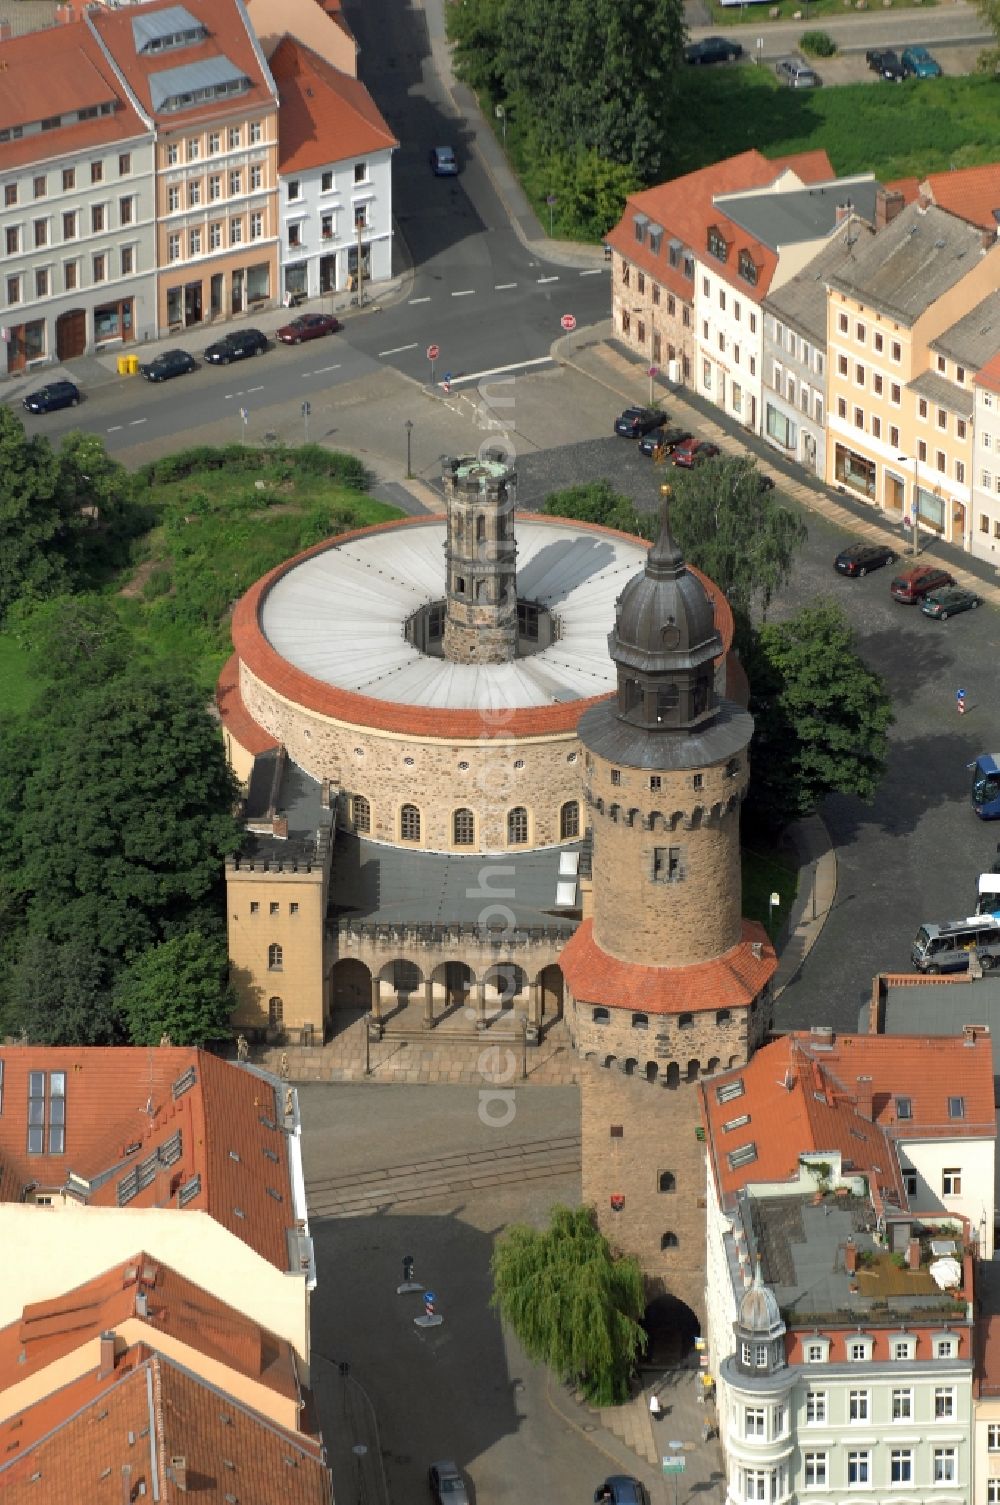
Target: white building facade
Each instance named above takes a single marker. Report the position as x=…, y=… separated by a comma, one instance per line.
x=728, y=338
x=985, y=532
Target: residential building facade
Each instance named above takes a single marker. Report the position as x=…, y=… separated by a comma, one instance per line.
x=77, y=203
x=335, y=169
x=200, y=76
x=899, y=438
x=985, y=533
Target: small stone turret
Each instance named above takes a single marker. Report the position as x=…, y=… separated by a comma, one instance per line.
x=481, y=557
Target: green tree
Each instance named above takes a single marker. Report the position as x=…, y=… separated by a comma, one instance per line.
x=822, y=716
x=72, y=640
x=573, y=1304
x=38, y=521
x=988, y=60
x=180, y=988
x=127, y=815
x=739, y=535
x=59, y=995
x=598, y=502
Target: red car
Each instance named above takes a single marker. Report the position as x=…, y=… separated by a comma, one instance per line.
x=308, y=327
x=914, y=585
x=694, y=452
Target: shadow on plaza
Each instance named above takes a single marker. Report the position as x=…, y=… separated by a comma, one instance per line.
x=438, y=1393
x=924, y=774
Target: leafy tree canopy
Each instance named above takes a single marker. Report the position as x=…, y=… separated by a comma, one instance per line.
x=822, y=716
x=38, y=519
x=178, y=988
x=743, y=538
x=988, y=60
x=72, y=640
x=598, y=502
x=59, y=995
x=573, y=1304
x=126, y=814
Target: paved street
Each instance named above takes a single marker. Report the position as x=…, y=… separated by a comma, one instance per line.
x=941, y=26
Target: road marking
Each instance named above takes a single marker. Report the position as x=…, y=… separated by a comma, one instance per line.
x=541, y=360
x=256, y=389
x=136, y=421
x=594, y=272
x=397, y=350
x=115, y=427
x=548, y=279
x=502, y=287
x=466, y=292
x=319, y=370
x=419, y=300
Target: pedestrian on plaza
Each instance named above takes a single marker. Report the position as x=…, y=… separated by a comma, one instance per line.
x=655, y=1409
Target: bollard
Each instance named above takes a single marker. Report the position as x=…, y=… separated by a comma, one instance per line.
x=409, y=1284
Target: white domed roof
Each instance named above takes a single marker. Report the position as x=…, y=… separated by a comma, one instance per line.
x=759, y=1314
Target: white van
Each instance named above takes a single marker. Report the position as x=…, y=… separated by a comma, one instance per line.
x=947, y=947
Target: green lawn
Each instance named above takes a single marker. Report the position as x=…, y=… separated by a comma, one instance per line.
x=759, y=14
x=925, y=126
x=16, y=694
x=765, y=873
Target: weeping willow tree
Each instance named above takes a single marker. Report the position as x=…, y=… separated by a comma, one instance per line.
x=571, y=1302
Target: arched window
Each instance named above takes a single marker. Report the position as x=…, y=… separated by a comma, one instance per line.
x=668, y=1181
x=275, y=1013
x=569, y=821
x=361, y=811
x=409, y=823
x=274, y=955
x=640, y=1021
x=517, y=826
x=463, y=828
x=480, y=529
x=669, y=1241
x=693, y=1069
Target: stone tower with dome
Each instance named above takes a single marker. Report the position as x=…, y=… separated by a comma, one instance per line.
x=668, y=982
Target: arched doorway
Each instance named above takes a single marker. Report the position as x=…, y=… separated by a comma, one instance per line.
x=400, y=982
x=71, y=334
x=550, y=988
x=504, y=984
x=671, y=1326
x=453, y=983
x=350, y=985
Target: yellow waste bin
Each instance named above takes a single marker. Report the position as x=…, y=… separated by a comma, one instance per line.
x=132, y=364
x=123, y=365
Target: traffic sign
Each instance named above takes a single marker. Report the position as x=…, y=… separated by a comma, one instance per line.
x=306, y=409
x=568, y=322
x=433, y=351
x=675, y=1464
x=551, y=199
x=653, y=371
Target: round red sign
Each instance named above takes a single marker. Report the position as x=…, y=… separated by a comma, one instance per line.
x=568, y=322
x=433, y=351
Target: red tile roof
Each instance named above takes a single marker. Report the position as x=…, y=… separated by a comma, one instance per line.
x=989, y=376
x=60, y=69
x=235, y=717
x=685, y=208
x=266, y=664
x=730, y=981
x=123, y=1108
x=971, y=193
x=801, y=1094
x=326, y=116
x=789, y=1106
x=144, y=1289
x=98, y=1439
x=229, y=36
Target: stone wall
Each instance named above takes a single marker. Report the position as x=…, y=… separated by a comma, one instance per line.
x=489, y=777
x=267, y=908
x=661, y=313
x=638, y=1136
x=670, y=919
x=676, y=1047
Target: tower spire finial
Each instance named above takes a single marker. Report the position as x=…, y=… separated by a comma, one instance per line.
x=664, y=559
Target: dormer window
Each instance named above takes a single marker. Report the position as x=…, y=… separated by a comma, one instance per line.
x=748, y=268
x=640, y=222
x=717, y=244
x=688, y=267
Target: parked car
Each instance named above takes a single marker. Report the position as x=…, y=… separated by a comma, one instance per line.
x=859, y=558
x=918, y=63
x=57, y=394
x=912, y=586
x=621, y=1489
x=948, y=601
x=796, y=73
x=444, y=163
x=661, y=441
x=635, y=422
x=447, y=1484
x=694, y=452
x=885, y=62
x=308, y=327
x=712, y=50
x=236, y=346
x=167, y=364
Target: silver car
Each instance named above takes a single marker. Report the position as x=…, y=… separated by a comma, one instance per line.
x=796, y=73
x=447, y=1484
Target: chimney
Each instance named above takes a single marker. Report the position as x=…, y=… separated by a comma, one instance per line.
x=844, y=211
x=863, y=1096
x=107, y=1355
x=989, y=238
x=888, y=203
x=179, y=1468
x=851, y=1257
x=913, y=1254
x=822, y=1034
x=141, y=1304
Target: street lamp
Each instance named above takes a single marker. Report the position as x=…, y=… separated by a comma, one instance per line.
x=915, y=503
x=773, y=902
x=408, y=425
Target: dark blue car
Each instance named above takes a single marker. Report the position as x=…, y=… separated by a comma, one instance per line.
x=57, y=394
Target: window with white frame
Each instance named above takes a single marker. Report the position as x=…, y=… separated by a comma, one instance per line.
x=815, y=1468
x=951, y=1181
x=859, y=1468
x=859, y=1350
x=993, y=1437
x=902, y=1348
x=901, y=1466
x=859, y=1405
x=945, y=1465
x=173, y=247
x=901, y=1405
x=993, y=1492
x=945, y=1348
x=753, y=1421
x=816, y=1353
x=944, y=1403
x=815, y=1408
